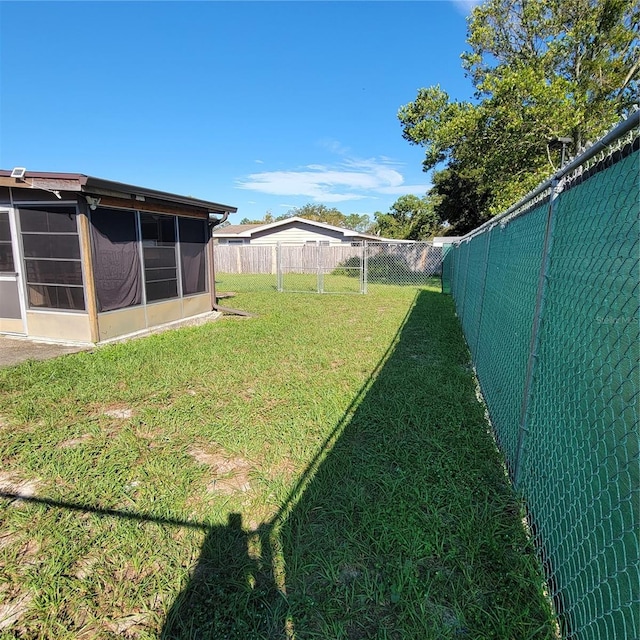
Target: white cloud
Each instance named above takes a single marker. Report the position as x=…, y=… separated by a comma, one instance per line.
x=350, y=179
x=465, y=7
x=334, y=146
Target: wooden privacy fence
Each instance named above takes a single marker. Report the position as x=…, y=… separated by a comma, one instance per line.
x=245, y=259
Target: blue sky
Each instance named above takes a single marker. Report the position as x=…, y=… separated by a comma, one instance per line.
x=262, y=105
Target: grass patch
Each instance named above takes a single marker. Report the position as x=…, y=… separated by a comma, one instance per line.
x=320, y=471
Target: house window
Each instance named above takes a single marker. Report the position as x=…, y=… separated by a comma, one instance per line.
x=193, y=241
x=230, y=241
x=6, y=252
x=159, y=253
x=53, y=269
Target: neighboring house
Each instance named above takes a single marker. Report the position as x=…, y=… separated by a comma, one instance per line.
x=293, y=231
x=88, y=260
x=442, y=241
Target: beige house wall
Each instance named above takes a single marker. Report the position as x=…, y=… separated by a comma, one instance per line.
x=195, y=305
x=163, y=312
x=299, y=235
x=57, y=326
x=11, y=325
x=124, y=322
x=121, y=322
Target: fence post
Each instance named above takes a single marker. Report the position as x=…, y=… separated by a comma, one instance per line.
x=556, y=188
x=460, y=308
x=483, y=290
x=320, y=263
x=364, y=276
x=279, y=279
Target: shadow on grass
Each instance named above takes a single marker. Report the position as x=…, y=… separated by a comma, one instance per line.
x=404, y=526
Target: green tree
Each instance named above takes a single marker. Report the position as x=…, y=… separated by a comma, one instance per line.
x=268, y=218
x=409, y=218
x=541, y=69
x=459, y=199
x=358, y=222
x=332, y=216
x=319, y=213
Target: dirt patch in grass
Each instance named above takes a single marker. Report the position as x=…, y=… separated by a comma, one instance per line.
x=128, y=573
x=7, y=539
x=128, y=626
x=83, y=568
x=258, y=515
x=16, y=601
x=230, y=474
x=26, y=555
x=119, y=412
x=74, y=442
x=12, y=611
x=11, y=482
x=348, y=574
x=285, y=468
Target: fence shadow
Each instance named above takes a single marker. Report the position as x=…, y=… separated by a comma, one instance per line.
x=404, y=516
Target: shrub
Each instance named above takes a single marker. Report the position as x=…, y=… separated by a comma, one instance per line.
x=381, y=268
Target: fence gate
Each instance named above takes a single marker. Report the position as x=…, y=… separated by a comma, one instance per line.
x=321, y=268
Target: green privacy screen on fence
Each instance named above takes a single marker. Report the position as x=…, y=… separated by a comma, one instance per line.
x=548, y=298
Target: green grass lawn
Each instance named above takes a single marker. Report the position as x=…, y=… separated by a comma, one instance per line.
x=322, y=470
x=329, y=281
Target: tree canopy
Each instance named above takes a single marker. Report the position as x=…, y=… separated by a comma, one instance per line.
x=541, y=70
x=410, y=218
x=319, y=213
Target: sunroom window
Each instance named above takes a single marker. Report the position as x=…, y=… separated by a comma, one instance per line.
x=159, y=253
x=6, y=252
x=52, y=264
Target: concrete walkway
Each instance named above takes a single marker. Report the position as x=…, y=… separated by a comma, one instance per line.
x=16, y=350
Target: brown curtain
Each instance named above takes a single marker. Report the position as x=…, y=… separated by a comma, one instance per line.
x=116, y=261
x=193, y=241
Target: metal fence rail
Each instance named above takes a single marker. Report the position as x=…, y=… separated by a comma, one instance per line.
x=548, y=295
x=320, y=268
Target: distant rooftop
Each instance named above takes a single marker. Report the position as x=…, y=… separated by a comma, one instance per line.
x=236, y=228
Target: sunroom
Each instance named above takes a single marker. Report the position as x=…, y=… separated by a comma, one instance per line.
x=86, y=260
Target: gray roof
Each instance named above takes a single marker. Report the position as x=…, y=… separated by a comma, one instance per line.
x=246, y=230
x=447, y=239
x=235, y=228
x=88, y=184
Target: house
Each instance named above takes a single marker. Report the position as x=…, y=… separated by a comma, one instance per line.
x=87, y=260
x=295, y=230
x=445, y=241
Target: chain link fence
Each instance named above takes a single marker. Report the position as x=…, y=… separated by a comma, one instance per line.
x=319, y=268
x=548, y=297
